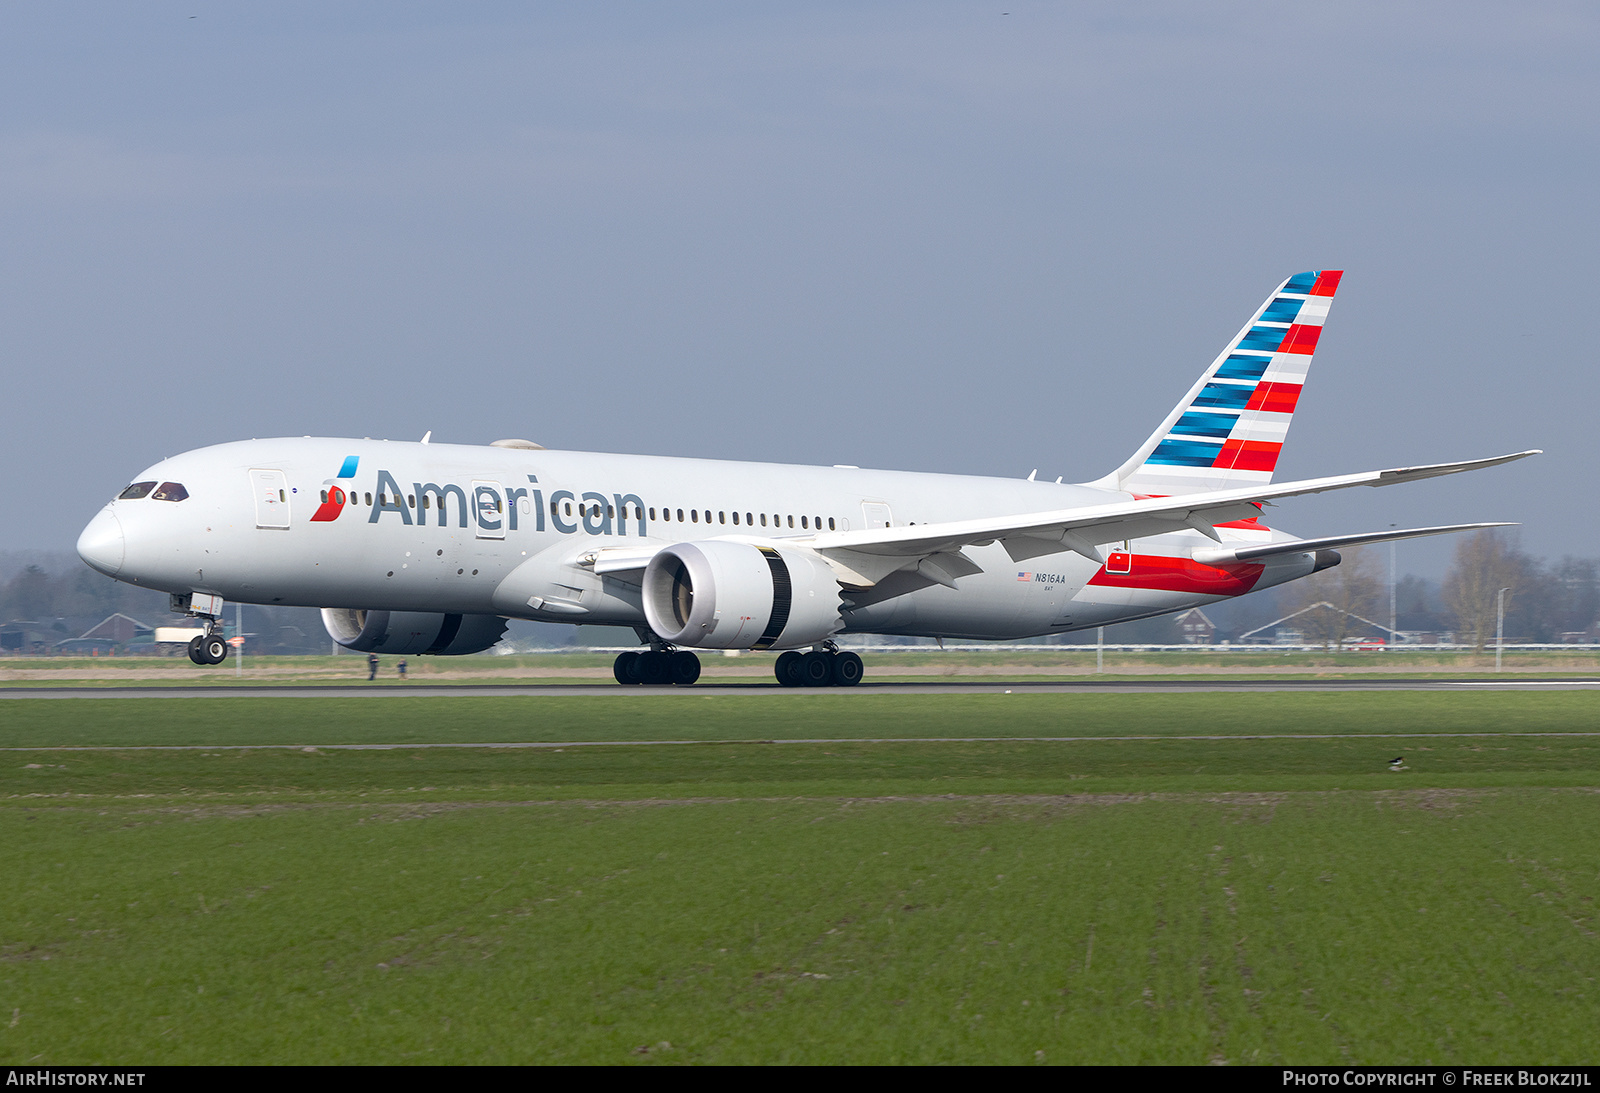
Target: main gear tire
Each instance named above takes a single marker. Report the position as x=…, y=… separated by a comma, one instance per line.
x=816, y=669
x=847, y=669
x=626, y=668
x=685, y=668
x=788, y=668
x=655, y=668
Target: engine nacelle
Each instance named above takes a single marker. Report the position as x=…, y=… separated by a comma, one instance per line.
x=716, y=594
x=412, y=633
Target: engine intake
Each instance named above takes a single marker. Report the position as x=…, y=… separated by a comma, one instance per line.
x=717, y=594
x=412, y=633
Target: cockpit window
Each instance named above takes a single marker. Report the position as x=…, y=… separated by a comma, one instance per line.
x=136, y=491
x=170, y=491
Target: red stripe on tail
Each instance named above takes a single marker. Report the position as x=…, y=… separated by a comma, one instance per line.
x=1275, y=398
x=1300, y=339
x=1248, y=455
x=1327, y=283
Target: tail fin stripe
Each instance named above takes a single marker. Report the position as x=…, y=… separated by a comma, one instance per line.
x=1177, y=452
x=1230, y=428
x=1200, y=423
x=1225, y=396
x=1248, y=455
x=1263, y=339
x=1240, y=366
x=1301, y=339
x=1282, y=310
x=1327, y=282
x=1275, y=398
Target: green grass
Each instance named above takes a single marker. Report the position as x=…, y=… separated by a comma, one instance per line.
x=778, y=714
x=1165, y=900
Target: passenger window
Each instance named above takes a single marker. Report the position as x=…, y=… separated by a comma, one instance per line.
x=569, y=508
x=136, y=491
x=803, y=522
x=680, y=516
x=748, y=518
x=763, y=519
x=610, y=512
x=791, y=521
x=369, y=500
x=722, y=517
x=736, y=518
x=283, y=497
x=170, y=491
x=830, y=523
x=426, y=502
x=324, y=497
x=411, y=500
x=652, y=512
x=694, y=514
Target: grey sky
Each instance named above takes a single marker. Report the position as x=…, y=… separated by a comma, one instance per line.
x=926, y=236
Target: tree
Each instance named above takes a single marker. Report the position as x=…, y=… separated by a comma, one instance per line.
x=1484, y=564
x=30, y=595
x=1351, y=588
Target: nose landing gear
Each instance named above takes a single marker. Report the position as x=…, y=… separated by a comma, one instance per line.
x=822, y=667
x=208, y=648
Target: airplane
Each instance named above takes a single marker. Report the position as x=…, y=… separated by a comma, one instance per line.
x=428, y=548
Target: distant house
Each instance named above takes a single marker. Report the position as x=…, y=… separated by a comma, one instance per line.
x=1196, y=628
x=108, y=635
x=22, y=637
x=119, y=628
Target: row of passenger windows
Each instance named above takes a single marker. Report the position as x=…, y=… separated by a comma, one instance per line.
x=696, y=516
x=751, y=519
x=629, y=512
x=338, y=496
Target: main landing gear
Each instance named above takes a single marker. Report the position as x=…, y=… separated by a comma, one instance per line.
x=824, y=667
x=658, y=667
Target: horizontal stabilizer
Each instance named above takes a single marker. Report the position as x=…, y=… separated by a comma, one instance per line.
x=1225, y=555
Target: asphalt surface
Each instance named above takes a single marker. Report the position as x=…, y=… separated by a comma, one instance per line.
x=758, y=689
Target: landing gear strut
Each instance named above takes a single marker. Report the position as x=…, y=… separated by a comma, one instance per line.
x=658, y=667
x=822, y=667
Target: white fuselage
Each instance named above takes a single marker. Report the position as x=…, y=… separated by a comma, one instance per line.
x=492, y=530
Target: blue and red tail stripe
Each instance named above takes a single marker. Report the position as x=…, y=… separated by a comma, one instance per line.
x=1232, y=428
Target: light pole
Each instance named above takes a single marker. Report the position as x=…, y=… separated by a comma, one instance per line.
x=1100, y=650
x=1500, y=626
x=1391, y=592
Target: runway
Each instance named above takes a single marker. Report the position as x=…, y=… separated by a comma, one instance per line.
x=758, y=690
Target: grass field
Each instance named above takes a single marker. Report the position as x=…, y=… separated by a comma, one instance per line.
x=1281, y=898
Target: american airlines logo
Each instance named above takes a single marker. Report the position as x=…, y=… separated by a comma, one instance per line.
x=333, y=495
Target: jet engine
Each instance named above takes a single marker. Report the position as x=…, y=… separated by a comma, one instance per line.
x=716, y=594
x=410, y=633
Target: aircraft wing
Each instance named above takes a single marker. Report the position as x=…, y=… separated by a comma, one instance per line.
x=866, y=557
x=1247, y=553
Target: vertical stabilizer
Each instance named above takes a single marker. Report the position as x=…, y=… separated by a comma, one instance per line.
x=1229, y=429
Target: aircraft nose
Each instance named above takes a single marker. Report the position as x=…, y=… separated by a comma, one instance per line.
x=102, y=544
